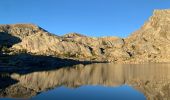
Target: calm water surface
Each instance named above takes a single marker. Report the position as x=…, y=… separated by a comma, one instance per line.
x=90, y=82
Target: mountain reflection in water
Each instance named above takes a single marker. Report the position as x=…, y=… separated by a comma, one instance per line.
x=150, y=79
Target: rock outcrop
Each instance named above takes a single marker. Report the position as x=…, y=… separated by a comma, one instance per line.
x=36, y=41
x=151, y=43
x=148, y=44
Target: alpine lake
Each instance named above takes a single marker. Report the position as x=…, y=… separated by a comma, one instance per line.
x=101, y=81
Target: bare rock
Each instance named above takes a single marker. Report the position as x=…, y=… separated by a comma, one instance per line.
x=149, y=44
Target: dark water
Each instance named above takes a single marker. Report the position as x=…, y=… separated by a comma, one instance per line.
x=89, y=82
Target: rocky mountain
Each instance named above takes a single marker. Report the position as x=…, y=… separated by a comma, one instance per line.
x=151, y=43
x=148, y=44
x=34, y=40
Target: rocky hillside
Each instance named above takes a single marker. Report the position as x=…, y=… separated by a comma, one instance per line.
x=34, y=40
x=151, y=43
x=148, y=44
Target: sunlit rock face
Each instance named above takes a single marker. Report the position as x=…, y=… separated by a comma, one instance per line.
x=35, y=40
x=151, y=43
x=151, y=79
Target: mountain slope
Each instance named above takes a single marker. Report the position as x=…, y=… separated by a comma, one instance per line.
x=151, y=43
x=148, y=44
x=37, y=41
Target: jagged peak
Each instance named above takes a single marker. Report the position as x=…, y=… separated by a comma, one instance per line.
x=159, y=17
x=74, y=34
x=21, y=26
x=161, y=11
x=22, y=30
x=161, y=14
x=109, y=37
x=24, y=25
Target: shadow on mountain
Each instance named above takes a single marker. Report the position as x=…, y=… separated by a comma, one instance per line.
x=27, y=63
x=5, y=81
x=24, y=64
x=8, y=40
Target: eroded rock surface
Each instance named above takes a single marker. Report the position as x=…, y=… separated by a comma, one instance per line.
x=149, y=44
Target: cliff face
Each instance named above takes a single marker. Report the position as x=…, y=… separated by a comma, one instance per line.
x=151, y=43
x=148, y=44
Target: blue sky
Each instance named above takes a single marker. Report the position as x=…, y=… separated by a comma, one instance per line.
x=89, y=17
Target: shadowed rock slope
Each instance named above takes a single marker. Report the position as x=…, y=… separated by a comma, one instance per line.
x=148, y=44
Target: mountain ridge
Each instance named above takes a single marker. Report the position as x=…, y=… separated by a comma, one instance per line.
x=148, y=44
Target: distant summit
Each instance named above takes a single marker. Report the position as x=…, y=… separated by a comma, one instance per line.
x=71, y=35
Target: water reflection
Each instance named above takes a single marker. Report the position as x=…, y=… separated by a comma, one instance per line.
x=91, y=93
x=151, y=79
